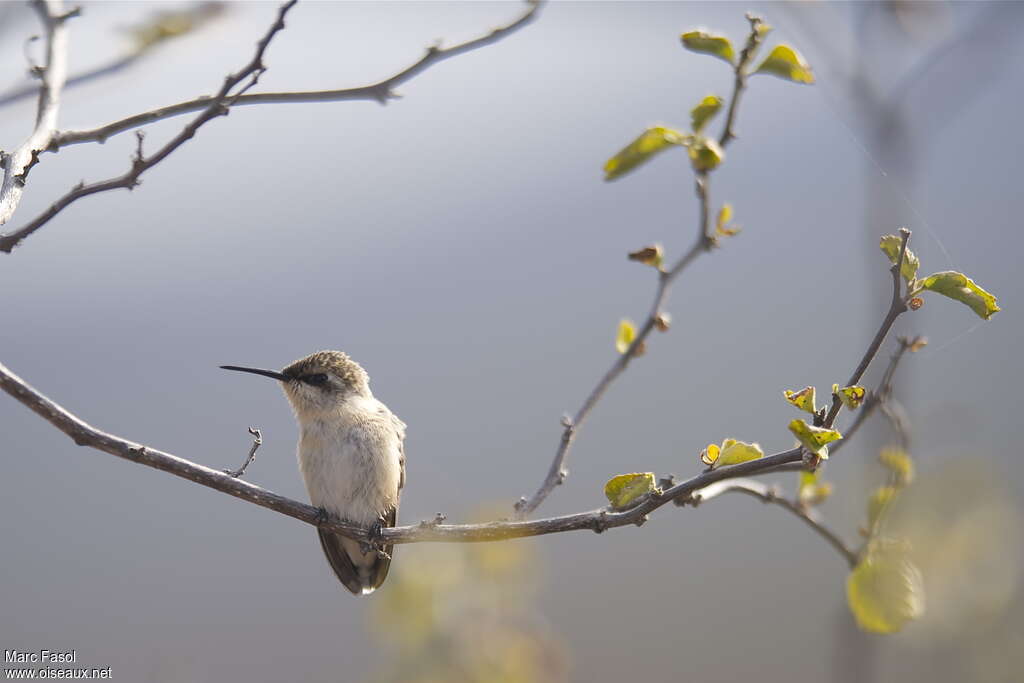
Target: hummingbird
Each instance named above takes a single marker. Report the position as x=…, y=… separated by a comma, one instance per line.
x=351, y=454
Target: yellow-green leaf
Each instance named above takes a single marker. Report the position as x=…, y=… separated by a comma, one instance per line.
x=649, y=143
x=625, y=335
x=814, y=439
x=731, y=452
x=878, y=503
x=705, y=154
x=960, y=287
x=708, y=43
x=787, y=63
x=704, y=112
x=627, y=488
x=891, y=244
x=851, y=397
x=811, y=491
x=709, y=456
x=722, y=226
x=885, y=590
x=803, y=399
x=899, y=462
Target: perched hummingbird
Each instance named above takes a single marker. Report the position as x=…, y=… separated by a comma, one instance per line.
x=351, y=455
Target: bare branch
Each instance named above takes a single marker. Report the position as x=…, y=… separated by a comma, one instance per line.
x=382, y=91
x=85, y=434
x=52, y=76
x=769, y=494
x=217, y=106
x=257, y=441
x=557, y=471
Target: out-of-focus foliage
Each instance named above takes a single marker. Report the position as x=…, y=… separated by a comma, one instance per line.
x=653, y=256
x=465, y=613
x=811, y=490
x=967, y=536
x=709, y=43
x=645, y=146
x=704, y=112
x=625, y=335
x=785, y=62
x=885, y=590
x=164, y=26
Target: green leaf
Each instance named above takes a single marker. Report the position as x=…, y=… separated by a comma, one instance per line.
x=625, y=489
x=731, y=452
x=785, y=62
x=803, y=399
x=705, y=154
x=878, y=503
x=851, y=397
x=649, y=143
x=960, y=287
x=625, y=336
x=811, y=491
x=891, y=244
x=814, y=439
x=899, y=462
x=885, y=590
x=709, y=44
x=722, y=226
x=704, y=112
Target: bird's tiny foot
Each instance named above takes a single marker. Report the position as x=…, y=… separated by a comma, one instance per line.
x=322, y=517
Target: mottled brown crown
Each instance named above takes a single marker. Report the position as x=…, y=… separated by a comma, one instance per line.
x=333, y=363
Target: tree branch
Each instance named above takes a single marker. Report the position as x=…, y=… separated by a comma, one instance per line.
x=896, y=307
x=768, y=494
x=85, y=434
x=217, y=106
x=52, y=76
x=382, y=91
x=882, y=394
x=557, y=471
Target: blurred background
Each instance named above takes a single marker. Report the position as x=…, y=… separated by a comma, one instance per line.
x=461, y=244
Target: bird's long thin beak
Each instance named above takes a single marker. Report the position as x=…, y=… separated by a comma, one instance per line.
x=256, y=371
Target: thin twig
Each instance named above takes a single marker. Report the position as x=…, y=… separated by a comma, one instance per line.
x=85, y=434
x=52, y=76
x=217, y=106
x=257, y=441
x=768, y=494
x=740, y=80
x=382, y=91
x=880, y=396
x=557, y=471
x=896, y=308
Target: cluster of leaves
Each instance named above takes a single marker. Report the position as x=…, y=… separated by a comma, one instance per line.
x=884, y=588
x=950, y=283
x=706, y=152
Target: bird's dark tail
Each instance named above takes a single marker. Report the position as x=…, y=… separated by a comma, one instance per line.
x=361, y=573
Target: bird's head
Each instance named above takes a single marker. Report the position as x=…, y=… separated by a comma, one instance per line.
x=318, y=383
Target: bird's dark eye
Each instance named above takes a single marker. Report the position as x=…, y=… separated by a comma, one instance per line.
x=316, y=379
